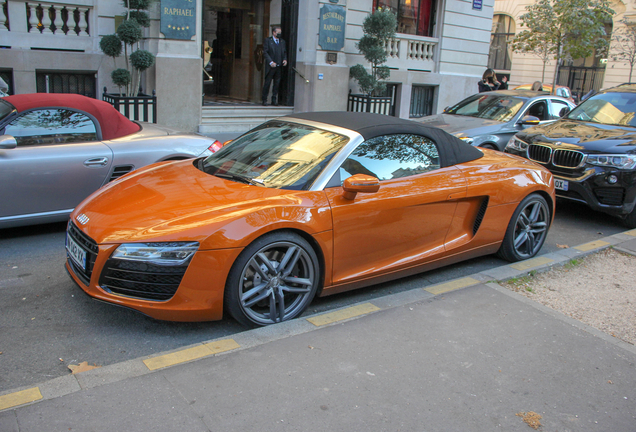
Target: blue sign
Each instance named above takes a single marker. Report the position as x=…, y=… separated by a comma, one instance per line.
x=178, y=19
x=331, y=35
x=477, y=4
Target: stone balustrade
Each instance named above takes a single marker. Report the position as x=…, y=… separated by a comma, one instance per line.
x=411, y=52
x=47, y=18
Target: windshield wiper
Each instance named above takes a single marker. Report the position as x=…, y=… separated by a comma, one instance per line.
x=242, y=179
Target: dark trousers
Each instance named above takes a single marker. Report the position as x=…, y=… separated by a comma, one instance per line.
x=275, y=74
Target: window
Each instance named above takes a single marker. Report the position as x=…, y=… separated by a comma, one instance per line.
x=421, y=101
x=557, y=109
x=59, y=82
x=416, y=17
x=392, y=156
x=539, y=110
x=488, y=106
x=51, y=126
x=503, y=30
x=276, y=155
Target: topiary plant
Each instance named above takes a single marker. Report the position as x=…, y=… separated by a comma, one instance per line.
x=129, y=33
x=121, y=78
x=379, y=27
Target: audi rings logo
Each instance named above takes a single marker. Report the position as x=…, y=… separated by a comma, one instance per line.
x=82, y=219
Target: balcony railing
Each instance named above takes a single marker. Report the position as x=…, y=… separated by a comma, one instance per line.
x=411, y=52
x=56, y=18
x=46, y=17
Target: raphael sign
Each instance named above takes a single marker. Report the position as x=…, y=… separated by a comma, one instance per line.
x=332, y=27
x=178, y=19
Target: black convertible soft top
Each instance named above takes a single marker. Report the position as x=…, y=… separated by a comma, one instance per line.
x=452, y=150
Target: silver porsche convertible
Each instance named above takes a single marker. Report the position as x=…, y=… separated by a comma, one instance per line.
x=56, y=149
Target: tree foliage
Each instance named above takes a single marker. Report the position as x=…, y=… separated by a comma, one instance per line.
x=624, y=45
x=561, y=29
x=129, y=34
x=378, y=28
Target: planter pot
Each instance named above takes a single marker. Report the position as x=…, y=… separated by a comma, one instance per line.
x=141, y=107
x=375, y=104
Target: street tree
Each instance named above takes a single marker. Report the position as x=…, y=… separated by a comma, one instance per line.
x=624, y=45
x=561, y=29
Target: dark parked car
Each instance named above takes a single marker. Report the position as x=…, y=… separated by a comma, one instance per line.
x=490, y=119
x=591, y=152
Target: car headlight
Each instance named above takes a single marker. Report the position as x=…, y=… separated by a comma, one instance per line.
x=611, y=160
x=516, y=144
x=170, y=253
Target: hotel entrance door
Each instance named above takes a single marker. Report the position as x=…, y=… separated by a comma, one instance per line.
x=234, y=31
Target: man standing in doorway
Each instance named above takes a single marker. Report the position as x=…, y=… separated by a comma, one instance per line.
x=275, y=54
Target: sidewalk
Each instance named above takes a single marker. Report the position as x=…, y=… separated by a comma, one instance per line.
x=466, y=355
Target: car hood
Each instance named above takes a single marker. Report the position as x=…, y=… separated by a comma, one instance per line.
x=583, y=136
x=468, y=126
x=175, y=201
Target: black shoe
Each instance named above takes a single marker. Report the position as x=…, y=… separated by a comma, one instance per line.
x=264, y=103
x=275, y=103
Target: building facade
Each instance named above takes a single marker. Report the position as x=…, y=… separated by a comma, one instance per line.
x=439, y=53
x=581, y=75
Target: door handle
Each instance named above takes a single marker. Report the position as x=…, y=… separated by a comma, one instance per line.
x=96, y=162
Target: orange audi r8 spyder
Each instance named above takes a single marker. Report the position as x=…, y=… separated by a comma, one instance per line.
x=305, y=205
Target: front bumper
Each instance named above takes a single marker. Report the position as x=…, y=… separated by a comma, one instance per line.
x=199, y=296
x=592, y=187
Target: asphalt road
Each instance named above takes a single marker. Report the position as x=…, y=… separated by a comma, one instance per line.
x=47, y=323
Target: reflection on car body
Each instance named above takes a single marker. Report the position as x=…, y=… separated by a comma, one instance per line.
x=305, y=205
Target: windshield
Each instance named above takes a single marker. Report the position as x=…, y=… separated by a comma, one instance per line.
x=277, y=154
x=491, y=107
x=610, y=108
x=5, y=109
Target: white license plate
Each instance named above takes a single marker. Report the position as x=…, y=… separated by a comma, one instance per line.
x=561, y=184
x=76, y=252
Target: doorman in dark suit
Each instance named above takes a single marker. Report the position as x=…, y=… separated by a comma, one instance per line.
x=275, y=54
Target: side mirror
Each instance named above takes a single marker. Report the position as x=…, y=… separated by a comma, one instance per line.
x=359, y=183
x=529, y=120
x=227, y=142
x=8, y=142
x=564, y=111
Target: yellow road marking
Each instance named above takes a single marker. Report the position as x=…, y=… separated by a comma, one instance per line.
x=591, y=245
x=631, y=233
x=20, y=398
x=343, y=314
x=191, y=354
x=528, y=264
x=452, y=285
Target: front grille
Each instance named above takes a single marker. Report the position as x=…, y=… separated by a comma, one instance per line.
x=539, y=153
x=610, y=196
x=91, y=248
x=140, y=279
x=567, y=158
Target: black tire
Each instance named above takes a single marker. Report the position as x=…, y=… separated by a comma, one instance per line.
x=527, y=230
x=489, y=146
x=274, y=279
x=630, y=220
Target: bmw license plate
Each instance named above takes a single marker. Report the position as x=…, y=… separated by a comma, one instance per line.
x=76, y=252
x=561, y=184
